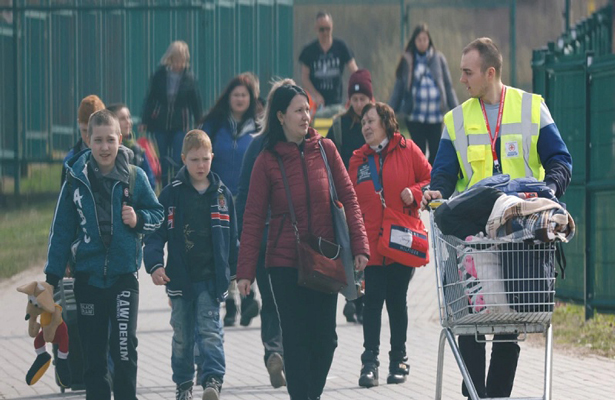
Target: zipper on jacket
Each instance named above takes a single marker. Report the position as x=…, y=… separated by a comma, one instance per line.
x=307, y=190
x=94, y=201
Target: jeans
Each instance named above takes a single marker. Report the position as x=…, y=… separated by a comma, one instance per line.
x=169, y=146
x=307, y=318
x=502, y=368
x=116, y=307
x=386, y=284
x=426, y=135
x=197, y=322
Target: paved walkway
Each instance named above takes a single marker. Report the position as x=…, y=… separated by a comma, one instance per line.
x=574, y=377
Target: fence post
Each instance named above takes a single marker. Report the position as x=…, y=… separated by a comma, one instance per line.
x=17, y=162
x=590, y=271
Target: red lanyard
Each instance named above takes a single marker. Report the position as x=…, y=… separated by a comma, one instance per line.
x=494, y=137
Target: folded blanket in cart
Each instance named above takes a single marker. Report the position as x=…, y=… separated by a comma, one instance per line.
x=538, y=220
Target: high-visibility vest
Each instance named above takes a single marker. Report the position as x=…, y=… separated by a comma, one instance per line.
x=518, y=138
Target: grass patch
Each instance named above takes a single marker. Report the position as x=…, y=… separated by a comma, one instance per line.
x=40, y=178
x=23, y=234
x=595, y=336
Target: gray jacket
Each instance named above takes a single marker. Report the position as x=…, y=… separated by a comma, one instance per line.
x=401, y=98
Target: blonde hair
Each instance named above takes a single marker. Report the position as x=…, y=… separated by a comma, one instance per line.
x=178, y=48
x=195, y=139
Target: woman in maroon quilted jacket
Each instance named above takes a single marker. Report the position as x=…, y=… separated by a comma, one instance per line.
x=307, y=317
x=403, y=170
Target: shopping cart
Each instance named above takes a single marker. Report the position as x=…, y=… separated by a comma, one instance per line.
x=490, y=287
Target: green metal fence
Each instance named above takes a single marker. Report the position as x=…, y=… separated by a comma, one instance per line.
x=576, y=76
x=56, y=52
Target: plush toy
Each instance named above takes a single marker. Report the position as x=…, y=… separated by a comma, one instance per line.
x=50, y=329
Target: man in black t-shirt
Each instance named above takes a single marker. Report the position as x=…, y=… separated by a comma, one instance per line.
x=323, y=62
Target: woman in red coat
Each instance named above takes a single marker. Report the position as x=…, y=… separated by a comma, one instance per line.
x=403, y=170
x=307, y=317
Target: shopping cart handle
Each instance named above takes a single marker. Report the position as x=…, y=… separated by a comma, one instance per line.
x=435, y=203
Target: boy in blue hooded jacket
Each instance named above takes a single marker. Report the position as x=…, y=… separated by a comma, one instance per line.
x=103, y=211
x=201, y=232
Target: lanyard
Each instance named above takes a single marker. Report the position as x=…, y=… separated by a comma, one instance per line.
x=494, y=137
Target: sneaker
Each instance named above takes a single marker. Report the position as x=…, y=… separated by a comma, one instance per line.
x=231, y=313
x=275, y=367
x=349, y=311
x=184, y=391
x=212, y=388
x=249, y=310
x=369, y=375
x=398, y=371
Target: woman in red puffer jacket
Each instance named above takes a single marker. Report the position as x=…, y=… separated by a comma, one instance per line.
x=307, y=317
x=403, y=171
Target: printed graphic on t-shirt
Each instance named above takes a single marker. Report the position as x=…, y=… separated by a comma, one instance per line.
x=326, y=71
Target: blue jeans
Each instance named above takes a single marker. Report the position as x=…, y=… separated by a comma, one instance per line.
x=197, y=322
x=170, y=148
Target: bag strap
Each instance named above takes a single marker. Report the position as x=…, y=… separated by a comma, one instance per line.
x=293, y=217
x=332, y=190
x=376, y=179
x=132, y=178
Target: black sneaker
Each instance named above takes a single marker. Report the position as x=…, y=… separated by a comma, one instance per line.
x=349, y=311
x=275, y=367
x=249, y=310
x=212, y=388
x=184, y=391
x=231, y=312
x=398, y=371
x=369, y=375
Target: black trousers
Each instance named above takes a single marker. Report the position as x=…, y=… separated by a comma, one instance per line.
x=271, y=333
x=308, y=325
x=426, y=135
x=502, y=368
x=107, y=322
x=386, y=284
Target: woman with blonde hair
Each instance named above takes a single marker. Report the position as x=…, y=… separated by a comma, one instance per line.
x=172, y=97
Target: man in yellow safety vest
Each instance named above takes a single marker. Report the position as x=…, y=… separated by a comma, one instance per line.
x=499, y=130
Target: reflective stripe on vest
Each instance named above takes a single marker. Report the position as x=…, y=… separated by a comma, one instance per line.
x=518, y=138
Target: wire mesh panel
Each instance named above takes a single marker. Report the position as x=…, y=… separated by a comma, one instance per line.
x=492, y=282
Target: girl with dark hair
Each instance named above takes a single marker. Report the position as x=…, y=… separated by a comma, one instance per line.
x=423, y=90
x=307, y=317
x=402, y=172
x=231, y=126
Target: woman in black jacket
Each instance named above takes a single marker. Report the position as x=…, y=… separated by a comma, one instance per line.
x=173, y=97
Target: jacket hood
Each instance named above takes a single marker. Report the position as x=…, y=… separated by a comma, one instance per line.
x=396, y=140
x=78, y=164
x=183, y=177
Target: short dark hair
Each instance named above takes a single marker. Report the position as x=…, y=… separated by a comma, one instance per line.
x=280, y=96
x=103, y=117
x=323, y=14
x=116, y=107
x=386, y=114
x=488, y=52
